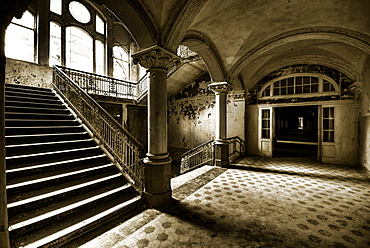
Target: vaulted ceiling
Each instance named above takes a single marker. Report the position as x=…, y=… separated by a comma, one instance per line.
x=240, y=41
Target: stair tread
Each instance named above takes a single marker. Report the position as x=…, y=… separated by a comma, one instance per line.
x=46, y=192
x=42, y=104
x=41, y=135
x=45, y=165
x=47, y=176
x=52, y=234
x=53, y=152
x=69, y=204
x=47, y=143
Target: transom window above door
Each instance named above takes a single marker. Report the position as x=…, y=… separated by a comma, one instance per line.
x=299, y=85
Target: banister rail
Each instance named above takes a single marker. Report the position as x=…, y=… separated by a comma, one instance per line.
x=106, y=86
x=198, y=156
x=236, y=147
x=204, y=154
x=123, y=149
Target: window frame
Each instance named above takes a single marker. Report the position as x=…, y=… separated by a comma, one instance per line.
x=320, y=91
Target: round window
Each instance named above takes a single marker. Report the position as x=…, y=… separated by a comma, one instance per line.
x=79, y=12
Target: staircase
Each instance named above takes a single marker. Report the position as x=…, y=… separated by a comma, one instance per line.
x=60, y=185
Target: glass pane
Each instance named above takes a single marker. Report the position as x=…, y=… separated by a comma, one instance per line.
x=277, y=84
x=55, y=44
x=79, y=49
x=79, y=12
x=328, y=136
x=265, y=133
x=100, y=57
x=314, y=88
x=283, y=91
x=100, y=25
x=56, y=6
x=314, y=80
x=325, y=113
x=298, y=80
x=265, y=123
x=291, y=90
x=306, y=80
x=326, y=124
x=306, y=89
x=20, y=43
x=265, y=113
x=298, y=89
x=27, y=20
x=276, y=91
x=120, y=63
x=290, y=81
x=283, y=83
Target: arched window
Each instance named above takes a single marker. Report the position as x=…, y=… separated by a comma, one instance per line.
x=79, y=49
x=20, y=38
x=299, y=85
x=120, y=63
x=77, y=36
x=55, y=52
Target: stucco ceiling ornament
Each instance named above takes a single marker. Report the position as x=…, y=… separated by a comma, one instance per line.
x=156, y=57
x=220, y=87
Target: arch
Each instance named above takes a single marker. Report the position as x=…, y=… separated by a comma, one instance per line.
x=353, y=38
x=136, y=20
x=204, y=49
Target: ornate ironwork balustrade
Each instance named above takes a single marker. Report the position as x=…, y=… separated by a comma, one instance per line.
x=198, y=156
x=106, y=86
x=204, y=154
x=123, y=149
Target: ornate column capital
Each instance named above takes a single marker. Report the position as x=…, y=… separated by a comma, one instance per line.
x=156, y=57
x=220, y=87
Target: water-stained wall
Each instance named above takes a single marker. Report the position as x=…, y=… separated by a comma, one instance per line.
x=26, y=73
x=192, y=116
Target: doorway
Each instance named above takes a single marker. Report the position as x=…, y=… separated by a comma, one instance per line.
x=296, y=131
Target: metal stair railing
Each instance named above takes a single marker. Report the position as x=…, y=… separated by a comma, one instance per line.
x=107, y=86
x=204, y=154
x=122, y=148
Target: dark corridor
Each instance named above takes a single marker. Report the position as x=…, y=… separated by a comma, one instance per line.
x=296, y=131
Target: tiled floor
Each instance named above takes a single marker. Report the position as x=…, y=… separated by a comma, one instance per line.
x=260, y=202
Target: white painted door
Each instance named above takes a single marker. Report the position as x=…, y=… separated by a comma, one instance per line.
x=266, y=131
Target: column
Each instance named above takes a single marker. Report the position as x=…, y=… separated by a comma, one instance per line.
x=157, y=192
x=43, y=32
x=221, y=144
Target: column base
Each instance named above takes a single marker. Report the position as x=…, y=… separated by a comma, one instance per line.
x=222, y=154
x=157, y=192
x=159, y=201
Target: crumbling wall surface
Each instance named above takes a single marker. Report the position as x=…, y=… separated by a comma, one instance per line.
x=26, y=73
x=364, y=118
x=192, y=116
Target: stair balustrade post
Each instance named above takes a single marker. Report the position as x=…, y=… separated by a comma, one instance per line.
x=221, y=144
x=157, y=171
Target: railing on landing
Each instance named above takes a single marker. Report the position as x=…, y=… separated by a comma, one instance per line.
x=106, y=86
x=204, y=154
x=123, y=149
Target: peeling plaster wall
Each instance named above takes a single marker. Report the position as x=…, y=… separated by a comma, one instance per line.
x=191, y=117
x=364, y=119
x=26, y=73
